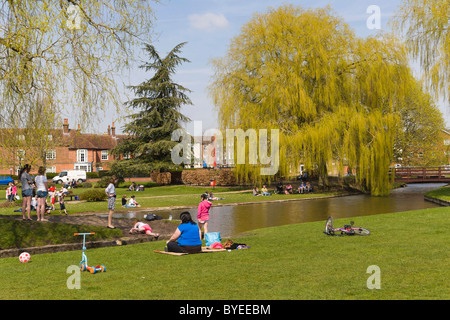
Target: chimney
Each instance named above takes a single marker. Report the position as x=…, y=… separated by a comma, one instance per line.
x=113, y=130
x=66, y=126
x=109, y=130
x=79, y=128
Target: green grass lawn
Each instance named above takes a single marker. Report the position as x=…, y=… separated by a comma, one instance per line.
x=442, y=193
x=287, y=262
x=168, y=196
x=19, y=234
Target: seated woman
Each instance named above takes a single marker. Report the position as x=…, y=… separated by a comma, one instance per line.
x=288, y=189
x=186, y=239
x=140, y=227
x=279, y=188
x=255, y=192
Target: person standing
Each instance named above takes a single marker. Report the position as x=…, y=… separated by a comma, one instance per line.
x=203, y=213
x=111, y=193
x=13, y=192
x=27, y=190
x=62, y=205
x=41, y=193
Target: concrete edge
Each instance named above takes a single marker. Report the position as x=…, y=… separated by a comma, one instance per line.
x=437, y=201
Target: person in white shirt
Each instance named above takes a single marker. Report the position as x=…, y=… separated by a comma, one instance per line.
x=132, y=203
x=33, y=203
x=111, y=193
x=41, y=193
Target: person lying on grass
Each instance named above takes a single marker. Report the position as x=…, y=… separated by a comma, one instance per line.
x=140, y=227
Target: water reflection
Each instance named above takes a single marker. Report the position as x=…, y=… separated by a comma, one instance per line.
x=233, y=220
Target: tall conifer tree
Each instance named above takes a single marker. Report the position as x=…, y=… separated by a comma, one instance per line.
x=158, y=102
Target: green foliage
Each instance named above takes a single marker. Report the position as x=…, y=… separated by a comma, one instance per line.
x=425, y=25
x=93, y=195
x=157, y=105
x=335, y=98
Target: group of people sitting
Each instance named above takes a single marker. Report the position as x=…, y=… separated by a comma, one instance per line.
x=135, y=187
x=131, y=202
x=279, y=189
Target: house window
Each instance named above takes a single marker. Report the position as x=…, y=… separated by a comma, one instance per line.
x=82, y=155
x=446, y=142
x=83, y=167
x=51, y=154
x=50, y=170
x=105, y=154
x=50, y=137
x=126, y=156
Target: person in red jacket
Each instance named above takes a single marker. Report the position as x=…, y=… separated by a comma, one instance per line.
x=203, y=213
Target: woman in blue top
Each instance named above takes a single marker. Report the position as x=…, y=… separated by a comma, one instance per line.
x=186, y=239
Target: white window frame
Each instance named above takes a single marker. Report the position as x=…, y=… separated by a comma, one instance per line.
x=50, y=169
x=104, y=155
x=50, y=154
x=82, y=155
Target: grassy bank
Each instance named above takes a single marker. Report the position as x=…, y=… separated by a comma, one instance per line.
x=18, y=234
x=169, y=196
x=288, y=262
x=442, y=193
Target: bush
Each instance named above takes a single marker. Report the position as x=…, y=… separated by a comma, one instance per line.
x=51, y=175
x=84, y=185
x=93, y=195
x=92, y=175
x=103, y=173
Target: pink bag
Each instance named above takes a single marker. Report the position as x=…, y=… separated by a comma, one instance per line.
x=216, y=245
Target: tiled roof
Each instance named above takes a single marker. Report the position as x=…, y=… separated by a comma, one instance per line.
x=78, y=140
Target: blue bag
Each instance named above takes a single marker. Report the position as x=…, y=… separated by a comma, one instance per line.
x=212, y=237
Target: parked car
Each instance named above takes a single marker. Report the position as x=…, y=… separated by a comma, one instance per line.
x=5, y=180
x=69, y=175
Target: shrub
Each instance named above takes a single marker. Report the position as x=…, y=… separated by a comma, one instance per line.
x=51, y=175
x=103, y=182
x=93, y=195
x=92, y=175
x=84, y=185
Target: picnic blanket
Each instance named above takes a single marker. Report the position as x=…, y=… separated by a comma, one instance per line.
x=204, y=250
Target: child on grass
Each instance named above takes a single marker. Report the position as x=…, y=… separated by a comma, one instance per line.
x=203, y=213
x=62, y=205
x=140, y=227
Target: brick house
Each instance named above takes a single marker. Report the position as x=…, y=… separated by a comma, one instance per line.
x=68, y=149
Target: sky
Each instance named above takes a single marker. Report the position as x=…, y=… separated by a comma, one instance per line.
x=208, y=27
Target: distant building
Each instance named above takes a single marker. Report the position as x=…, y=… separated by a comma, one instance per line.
x=68, y=149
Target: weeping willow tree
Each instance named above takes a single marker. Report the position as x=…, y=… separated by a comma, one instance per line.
x=425, y=27
x=68, y=54
x=63, y=57
x=333, y=96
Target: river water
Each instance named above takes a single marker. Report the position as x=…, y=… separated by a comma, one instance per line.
x=237, y=219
